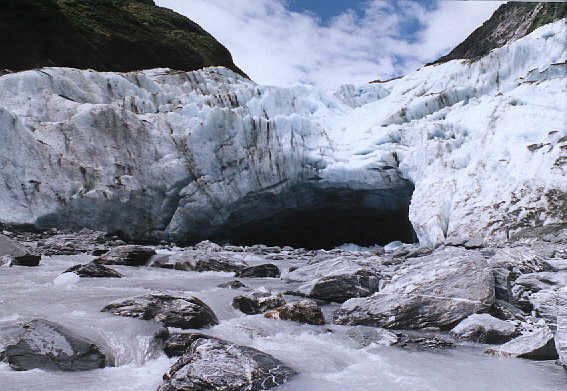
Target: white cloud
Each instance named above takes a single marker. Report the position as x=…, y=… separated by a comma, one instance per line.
x=276, y=46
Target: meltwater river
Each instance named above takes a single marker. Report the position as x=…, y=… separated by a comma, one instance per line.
x=325, y=357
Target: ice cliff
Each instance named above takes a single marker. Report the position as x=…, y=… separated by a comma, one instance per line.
x=208, y=154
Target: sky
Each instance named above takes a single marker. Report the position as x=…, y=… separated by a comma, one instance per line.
x=326, y=43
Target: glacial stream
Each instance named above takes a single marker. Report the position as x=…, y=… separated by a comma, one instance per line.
x=327, y=359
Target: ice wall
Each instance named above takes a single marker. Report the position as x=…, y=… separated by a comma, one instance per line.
x=167, y=154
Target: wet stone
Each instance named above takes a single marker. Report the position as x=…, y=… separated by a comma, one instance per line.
x=169, y=311
x=47, y=345
x=214, y=364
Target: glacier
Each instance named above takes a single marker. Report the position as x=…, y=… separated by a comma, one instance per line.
x=462, y=152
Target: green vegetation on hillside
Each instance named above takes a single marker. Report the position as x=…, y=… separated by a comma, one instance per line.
x=106, y=35
x=506, y=24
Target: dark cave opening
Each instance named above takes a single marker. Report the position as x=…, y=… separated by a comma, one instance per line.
x=321, y=218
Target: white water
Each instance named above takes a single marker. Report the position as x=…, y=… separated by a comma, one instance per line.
x=326, y=359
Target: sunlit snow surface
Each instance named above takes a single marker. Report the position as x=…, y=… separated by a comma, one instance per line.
x=326, y=360
x=172, y=151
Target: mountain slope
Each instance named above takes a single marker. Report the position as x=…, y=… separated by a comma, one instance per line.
x=509, y=22
x=105, y=35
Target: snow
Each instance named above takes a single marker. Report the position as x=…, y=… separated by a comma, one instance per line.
x=172, y=152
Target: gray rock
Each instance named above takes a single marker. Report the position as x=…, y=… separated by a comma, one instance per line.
x=47, y=345
x=15, y=254
x=201, y=261
x=484, y=328
x=259, y=271
x=129, y=255
x=93, y=270
x=423, y=342
x=561, y=327
x=503, y=281
x=69, y=243
x=506, y=311
x=537, y=345
x=208, y=246
x=341, y=287
x=176, y=345
x=213, y=364
x=304, y=311
x=234, y=284
x=535, y=282
x=437, y=290
x=258, y=301
x=170, y=311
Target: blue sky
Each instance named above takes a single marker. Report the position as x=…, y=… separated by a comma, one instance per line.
x=326, y=43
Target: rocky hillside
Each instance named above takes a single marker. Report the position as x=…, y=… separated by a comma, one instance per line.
x=510, y=22
x=105, y=35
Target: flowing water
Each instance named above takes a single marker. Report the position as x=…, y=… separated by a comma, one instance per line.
x=325, y=357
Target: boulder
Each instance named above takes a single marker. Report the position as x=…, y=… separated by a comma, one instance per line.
x=176, y=345
x=234, y=284
x=484, y=328
x=47, y=345
x=15, y=254
x=129, y=255
x=170, y=311
x=213, y=364
x=258, y=301
x=535, y=282
x=506, y=311
x=437, y=290
x=93, y=270
x=201, y=261
x=537, y=345
x=259, y=271
x=69, y=243
x=304, y=311
x=341, y=287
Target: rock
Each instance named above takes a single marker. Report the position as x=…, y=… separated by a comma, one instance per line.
x=561, y=327
x=213, y=364
x=93, y=270
x=437, y=290
x=537, y=345
x=506, y=311
x=258, y=301
x=47, y=345
x=176, y=345
x=208, y=246
x=234, y=284
x=362, y=336
x=423, y=342
x=535, y=282
x=170, y=311
x=15, y=254
x=484, y=328
x=341, y=287
x=201, y=261
x=95, y=243
x=503, y=280
x=129, y=255
x=259, y=271
x=304, y=311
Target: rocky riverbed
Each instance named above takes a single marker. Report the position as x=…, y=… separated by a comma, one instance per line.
x=399, y=317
